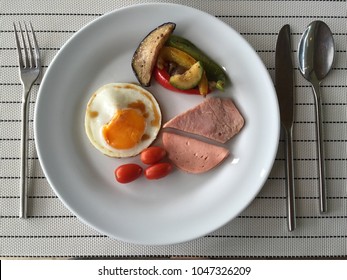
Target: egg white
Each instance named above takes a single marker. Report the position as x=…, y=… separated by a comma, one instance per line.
x=106, y=101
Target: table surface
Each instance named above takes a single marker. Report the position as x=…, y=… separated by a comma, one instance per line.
x=260, y=231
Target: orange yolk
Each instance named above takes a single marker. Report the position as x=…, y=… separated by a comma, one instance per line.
x=125, y=130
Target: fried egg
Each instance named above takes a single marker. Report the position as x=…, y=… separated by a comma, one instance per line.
x=122, y=119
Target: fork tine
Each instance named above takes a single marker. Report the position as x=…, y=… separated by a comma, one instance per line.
x=20, y=58
x=32, y=60
x=26, y=57
x=36, y=47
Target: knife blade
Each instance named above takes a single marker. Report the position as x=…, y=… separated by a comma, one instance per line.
x=285, y=94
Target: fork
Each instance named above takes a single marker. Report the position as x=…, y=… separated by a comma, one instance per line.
x=29, y=71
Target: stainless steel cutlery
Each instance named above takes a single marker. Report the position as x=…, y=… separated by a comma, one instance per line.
x=315, y=58
x=29, y=62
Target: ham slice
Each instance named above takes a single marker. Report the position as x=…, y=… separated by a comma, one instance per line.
x=192, y=155
x=215, y=118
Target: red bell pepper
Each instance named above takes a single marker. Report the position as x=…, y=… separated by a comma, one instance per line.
x=163, y=78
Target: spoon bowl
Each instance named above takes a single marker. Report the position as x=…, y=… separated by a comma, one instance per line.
x=316, y=55
x=316, y=51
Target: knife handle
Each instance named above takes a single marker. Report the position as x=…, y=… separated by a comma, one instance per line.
x=290, y=189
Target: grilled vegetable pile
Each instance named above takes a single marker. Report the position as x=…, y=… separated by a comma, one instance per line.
x=176, y=63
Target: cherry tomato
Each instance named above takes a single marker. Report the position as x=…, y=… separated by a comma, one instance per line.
x=158, y=170
x=152, y=155
x=128, y=172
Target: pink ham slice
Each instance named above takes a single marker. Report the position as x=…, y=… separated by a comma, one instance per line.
x=192, y=155
x=215, y=118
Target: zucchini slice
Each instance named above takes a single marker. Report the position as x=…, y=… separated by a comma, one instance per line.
x=189, y=79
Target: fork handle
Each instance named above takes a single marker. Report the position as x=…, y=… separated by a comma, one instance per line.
x=24, y=159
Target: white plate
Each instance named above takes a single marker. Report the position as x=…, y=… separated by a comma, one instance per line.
x=180, y=207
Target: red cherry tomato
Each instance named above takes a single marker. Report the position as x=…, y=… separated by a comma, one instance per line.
x=158, y=170
x=152, y=155
x=128, y=172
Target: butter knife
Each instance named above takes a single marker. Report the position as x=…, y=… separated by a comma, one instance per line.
x=285, y=95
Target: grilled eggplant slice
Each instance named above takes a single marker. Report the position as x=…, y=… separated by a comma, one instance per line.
x=146, y=54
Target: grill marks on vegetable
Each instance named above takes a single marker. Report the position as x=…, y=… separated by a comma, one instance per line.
x=145, y=56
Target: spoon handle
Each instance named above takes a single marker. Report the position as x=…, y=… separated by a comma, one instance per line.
x=319, y=128
x=291, y=211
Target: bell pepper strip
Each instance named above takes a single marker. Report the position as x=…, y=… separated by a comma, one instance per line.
x=203, y=85
x=175, y=55
x=163, y=78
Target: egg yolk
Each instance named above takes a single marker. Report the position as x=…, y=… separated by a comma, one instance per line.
x=125, y=130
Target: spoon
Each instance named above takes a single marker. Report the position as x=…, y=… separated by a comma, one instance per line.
x=316, y=54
